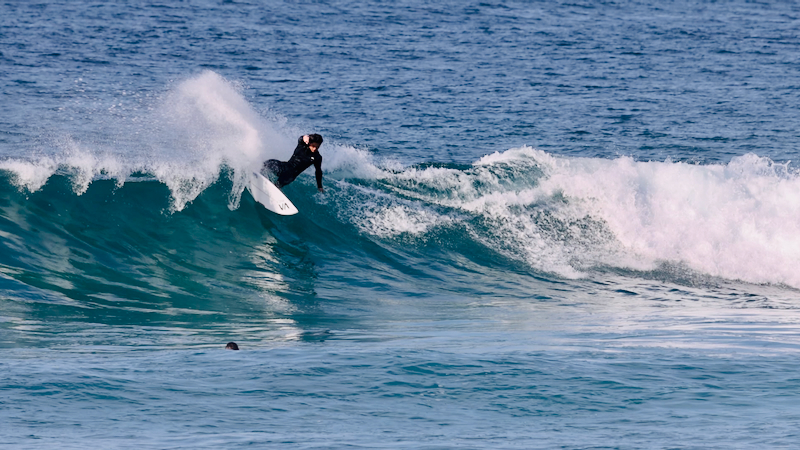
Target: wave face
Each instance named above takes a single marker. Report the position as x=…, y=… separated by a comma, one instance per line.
x=523, y=209
x=156, y=211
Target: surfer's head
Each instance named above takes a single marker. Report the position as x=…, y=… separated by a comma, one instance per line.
x=231, y=346
x=314, y=141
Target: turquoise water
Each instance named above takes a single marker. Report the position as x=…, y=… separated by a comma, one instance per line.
x=545, y=225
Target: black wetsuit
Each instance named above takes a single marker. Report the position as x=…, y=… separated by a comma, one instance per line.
x=301, y=160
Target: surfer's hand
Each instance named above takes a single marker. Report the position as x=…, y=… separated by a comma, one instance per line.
x=305, y=139
x=322, y=191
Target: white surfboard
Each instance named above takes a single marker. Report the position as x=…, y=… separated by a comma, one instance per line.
x=269, y=195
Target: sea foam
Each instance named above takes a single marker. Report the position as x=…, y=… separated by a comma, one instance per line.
x=739, y=220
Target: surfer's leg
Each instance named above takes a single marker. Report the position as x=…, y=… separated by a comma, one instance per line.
x=278, y=173
x=284, y=179
x=271, y=166
x=273, y=169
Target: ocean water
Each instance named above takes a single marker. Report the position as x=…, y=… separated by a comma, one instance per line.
x=545, y=225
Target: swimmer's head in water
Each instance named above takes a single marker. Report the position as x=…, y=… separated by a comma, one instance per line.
x=231, y=346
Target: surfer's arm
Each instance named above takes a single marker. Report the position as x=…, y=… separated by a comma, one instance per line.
x=318, y=171
x=300, y=147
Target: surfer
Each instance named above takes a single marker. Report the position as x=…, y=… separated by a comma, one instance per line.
x=305, y=154
x=231, y=346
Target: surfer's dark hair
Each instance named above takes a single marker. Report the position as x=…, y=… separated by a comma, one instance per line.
x=315, y=139
x=232, y=346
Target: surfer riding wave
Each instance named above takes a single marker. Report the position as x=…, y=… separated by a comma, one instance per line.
x=305, y=154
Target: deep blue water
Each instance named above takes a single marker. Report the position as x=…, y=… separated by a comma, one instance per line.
x=545, y=225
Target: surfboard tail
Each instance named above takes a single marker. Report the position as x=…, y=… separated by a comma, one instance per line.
x=266, y=193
